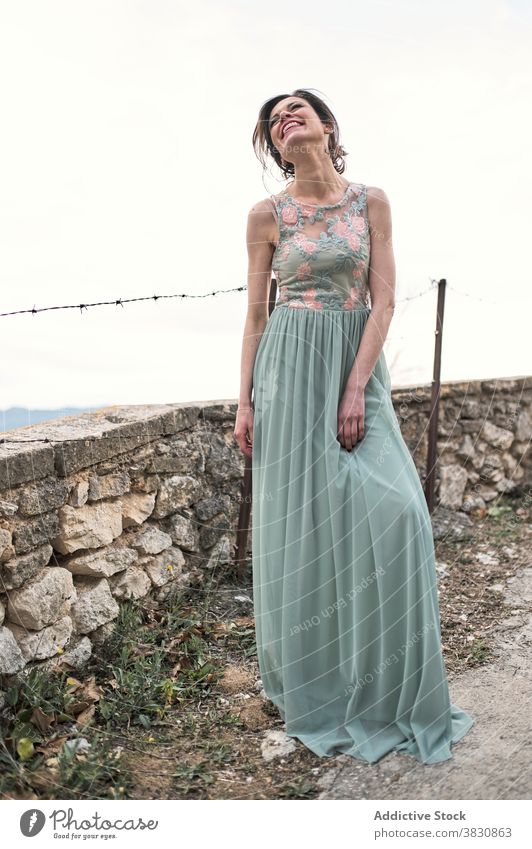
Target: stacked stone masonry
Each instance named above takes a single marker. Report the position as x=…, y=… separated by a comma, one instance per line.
x=131, y=501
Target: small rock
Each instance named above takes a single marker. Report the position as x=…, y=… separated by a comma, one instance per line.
x=277, y=744
x=442, y=569
x=78, y=744
x=486, y=559
x=451, y=523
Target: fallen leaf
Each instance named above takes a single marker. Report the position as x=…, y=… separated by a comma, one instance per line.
x=86, y=715
x=42, y=720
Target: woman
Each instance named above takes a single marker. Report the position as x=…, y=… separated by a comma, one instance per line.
x=344, y=577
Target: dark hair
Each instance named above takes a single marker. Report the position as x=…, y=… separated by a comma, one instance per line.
x=262, y=140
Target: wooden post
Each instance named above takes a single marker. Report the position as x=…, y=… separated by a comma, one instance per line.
x=435, y=400
x=244, y=524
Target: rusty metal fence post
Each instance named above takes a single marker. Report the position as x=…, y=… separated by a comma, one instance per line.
x=435, y=400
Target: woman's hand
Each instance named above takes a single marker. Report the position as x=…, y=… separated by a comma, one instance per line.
x=244, y=430
x=351, y=417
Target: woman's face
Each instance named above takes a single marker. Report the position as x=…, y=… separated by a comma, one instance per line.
x=293, y=126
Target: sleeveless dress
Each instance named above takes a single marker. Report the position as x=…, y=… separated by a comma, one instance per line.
x=344, y=576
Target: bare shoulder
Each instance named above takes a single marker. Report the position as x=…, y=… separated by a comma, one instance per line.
x=378, y=204
x=262, y=220
x=379, y=216
x=262, y=208
x=377, y=197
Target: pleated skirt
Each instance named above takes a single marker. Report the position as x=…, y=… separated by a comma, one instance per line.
x=344, y=574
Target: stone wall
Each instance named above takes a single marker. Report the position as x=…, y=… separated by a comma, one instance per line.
x=107, y=506
x=484, y=431
x=130, y=501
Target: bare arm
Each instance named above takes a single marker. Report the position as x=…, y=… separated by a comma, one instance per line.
x=382, y=289
x=260, y=252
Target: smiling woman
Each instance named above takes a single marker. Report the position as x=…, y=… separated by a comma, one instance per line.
x=307, y=110
x=344, y=576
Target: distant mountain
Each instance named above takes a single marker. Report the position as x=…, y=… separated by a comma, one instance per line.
x=22, y=416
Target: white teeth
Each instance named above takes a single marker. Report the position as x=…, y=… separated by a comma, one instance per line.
x=291, y=124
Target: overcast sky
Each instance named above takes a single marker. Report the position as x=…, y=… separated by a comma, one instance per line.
x=127, y=170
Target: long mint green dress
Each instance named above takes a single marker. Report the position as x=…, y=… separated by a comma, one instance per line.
x=344, y=578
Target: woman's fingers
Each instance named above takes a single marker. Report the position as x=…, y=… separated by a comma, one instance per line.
x=245, y=445
x=349, y=434
x=243, y=433
x=351, y=431
x=354, y=434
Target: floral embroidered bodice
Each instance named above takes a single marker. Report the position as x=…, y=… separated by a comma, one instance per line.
x=321, y=260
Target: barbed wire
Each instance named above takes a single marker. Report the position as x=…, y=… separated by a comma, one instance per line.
x=119, y=302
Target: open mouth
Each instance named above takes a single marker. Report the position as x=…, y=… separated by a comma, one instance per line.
x=289, y=125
